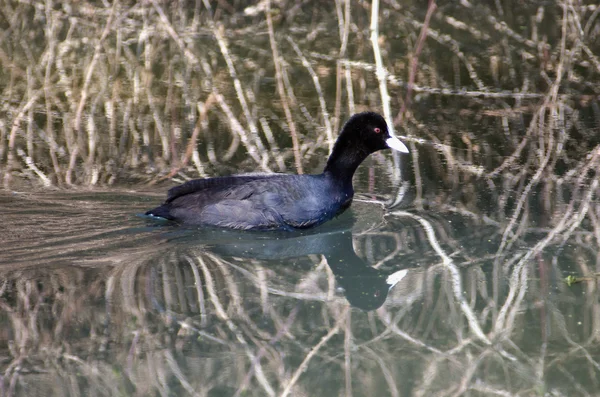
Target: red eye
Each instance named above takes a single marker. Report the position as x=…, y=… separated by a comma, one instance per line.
x=377, y=130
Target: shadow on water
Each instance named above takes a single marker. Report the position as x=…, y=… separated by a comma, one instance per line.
x=363, y=286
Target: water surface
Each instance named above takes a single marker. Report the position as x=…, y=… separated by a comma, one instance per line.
x=97, y=299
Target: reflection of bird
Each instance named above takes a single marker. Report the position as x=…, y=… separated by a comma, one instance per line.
x=364, y=286
x=280, y=201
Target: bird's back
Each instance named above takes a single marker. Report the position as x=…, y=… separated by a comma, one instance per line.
x=256, y=202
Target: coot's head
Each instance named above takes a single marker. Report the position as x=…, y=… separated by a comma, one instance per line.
x=363, y=134
x=370, y=130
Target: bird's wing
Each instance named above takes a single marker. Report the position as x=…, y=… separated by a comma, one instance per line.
x=215, y=184
x=264, y=205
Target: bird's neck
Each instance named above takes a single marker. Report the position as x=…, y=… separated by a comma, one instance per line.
x=344, y=160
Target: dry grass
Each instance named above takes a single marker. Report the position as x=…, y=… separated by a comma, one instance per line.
x=114, y=93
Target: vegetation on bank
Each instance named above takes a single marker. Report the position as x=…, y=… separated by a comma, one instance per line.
x=108, y=93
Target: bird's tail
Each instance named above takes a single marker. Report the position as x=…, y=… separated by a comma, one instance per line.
x=162, y=211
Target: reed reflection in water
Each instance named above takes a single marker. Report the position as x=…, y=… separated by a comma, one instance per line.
x=156, y=309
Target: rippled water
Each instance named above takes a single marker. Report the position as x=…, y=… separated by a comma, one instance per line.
x=98, y=299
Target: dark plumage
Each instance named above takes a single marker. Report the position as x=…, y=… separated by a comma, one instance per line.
x=282, y=201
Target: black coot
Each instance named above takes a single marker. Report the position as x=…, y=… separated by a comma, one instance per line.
x=281, y=201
